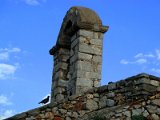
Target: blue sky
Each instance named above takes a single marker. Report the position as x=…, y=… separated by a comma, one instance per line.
x=29, y=28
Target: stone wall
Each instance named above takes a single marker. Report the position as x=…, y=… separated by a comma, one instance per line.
x=137, y=95
x=77, y=54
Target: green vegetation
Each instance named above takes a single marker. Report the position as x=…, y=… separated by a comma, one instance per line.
x=138, y=117
x=98, y=117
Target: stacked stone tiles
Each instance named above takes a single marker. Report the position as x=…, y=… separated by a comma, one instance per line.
x=110, y=101
x=77, y=54
x=85, y=61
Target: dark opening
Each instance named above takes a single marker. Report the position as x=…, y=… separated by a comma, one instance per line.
x=68, y=29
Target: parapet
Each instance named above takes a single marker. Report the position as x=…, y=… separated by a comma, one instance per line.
x=136, y=95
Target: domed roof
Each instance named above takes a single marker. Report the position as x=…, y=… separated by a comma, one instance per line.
x=78, y=18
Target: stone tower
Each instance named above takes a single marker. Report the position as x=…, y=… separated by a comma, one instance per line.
x=77, y=53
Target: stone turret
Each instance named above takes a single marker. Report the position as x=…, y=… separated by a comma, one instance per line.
x=77, y=53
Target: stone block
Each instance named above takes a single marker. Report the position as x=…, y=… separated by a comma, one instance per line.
x=91, y=105
x=136, y=112
x=87, y=75
x=61, y=74
x=102, y=102
x=96, y=83
x=93, y=75
x=142, y=81
x=110, y=102
x=81, y=89
x=62, y=83
x=97, y=59
x=156, y=102
x=90, y=49
x=73, y=58
x=63, y=51
x=111, y=95
x=96, y=42
x=84, y=82
x=89, y=96
x=61, y=65
x=73, y=37
x=84, y=66
x=127, y=113
x=155, y=117
x=98, y=35
x=74, y=43
x=111, y=86
x=72, y=53
x=63, y=58
x=154, y=83
x=84, y=56
x=59, y=90
x=85, y=33
x=158, y=89
x=59, y=97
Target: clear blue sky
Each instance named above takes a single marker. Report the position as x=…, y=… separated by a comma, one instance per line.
x=29, y=28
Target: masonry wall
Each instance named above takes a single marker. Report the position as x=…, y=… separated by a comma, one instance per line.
x=85, y=61
x=77, y=54
x=113, y=101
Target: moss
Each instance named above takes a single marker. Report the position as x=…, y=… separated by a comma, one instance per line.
x=138, y=117
x=98, y=117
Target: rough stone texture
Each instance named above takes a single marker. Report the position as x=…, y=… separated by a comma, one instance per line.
x=77, y=53
x=113, y=105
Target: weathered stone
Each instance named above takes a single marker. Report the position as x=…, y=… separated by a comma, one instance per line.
x=91, y=105
x=145, y=113
x=111, y=95
x=142, y=81
x=111, y=86
x=81, y=113
x=85, y=66
x=84, y=56
x=136, y=112
x=68, y=118
x=57, y=118
x=49, y=115
x=154, y=82
x=151, y=109
x=85, y=33
x=89, y=96
x=97, y=59
x=127, y=113
x=158, y=111
x=156, y=102
x=92, y=49
x=98, y=35
x=96, y=83
x=75, y=114
x=155, y=117
x=62, y=83
x=110, y=102
x=83, y=74
x=103, y=102
x=63, y=111
x=96, y=95
x=96, y=41
x=59, y=97
x=158, y=89
x=84, y=82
